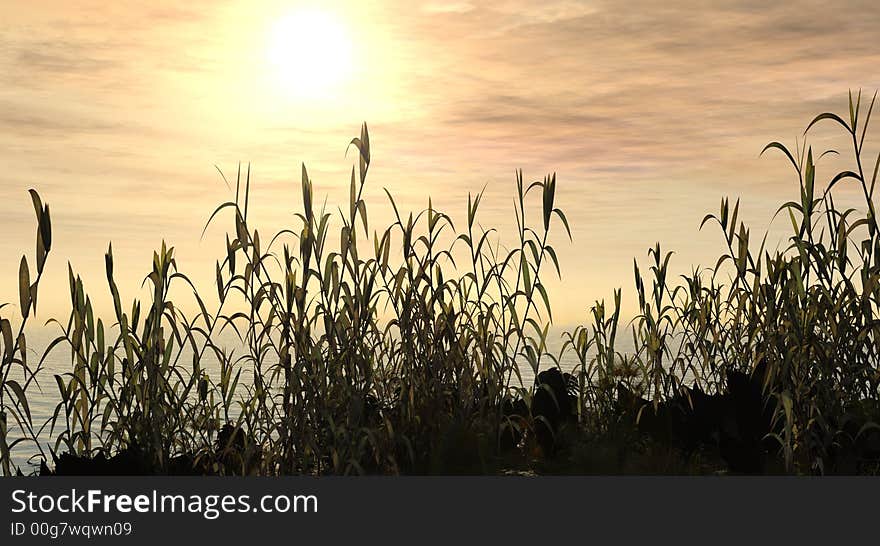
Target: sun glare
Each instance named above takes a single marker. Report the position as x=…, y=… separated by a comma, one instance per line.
x=309, y=53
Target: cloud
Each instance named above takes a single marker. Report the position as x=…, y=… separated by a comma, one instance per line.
x=33, y=123
x=448, y=7
x=644, y=83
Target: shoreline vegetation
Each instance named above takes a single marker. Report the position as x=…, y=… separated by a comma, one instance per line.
x=396, y=350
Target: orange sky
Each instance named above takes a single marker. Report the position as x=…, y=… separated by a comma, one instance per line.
x=648, y=112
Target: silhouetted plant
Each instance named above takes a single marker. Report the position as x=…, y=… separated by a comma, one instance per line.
x=400, y=349
x=16, y=376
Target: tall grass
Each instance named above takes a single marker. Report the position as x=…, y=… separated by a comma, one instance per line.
x=809, y=313
x=398, y=349
x=328, y=386
x=14, y=407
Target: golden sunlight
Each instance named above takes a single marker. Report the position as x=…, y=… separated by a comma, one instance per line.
x=309, y=53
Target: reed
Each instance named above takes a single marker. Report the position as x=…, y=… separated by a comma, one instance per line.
x=398, y=349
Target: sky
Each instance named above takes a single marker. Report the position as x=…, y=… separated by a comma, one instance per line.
x=648, y=112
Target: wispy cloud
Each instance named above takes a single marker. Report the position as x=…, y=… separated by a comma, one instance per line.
x=448, y=7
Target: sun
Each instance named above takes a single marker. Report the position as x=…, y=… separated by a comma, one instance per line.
x=309, y=53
